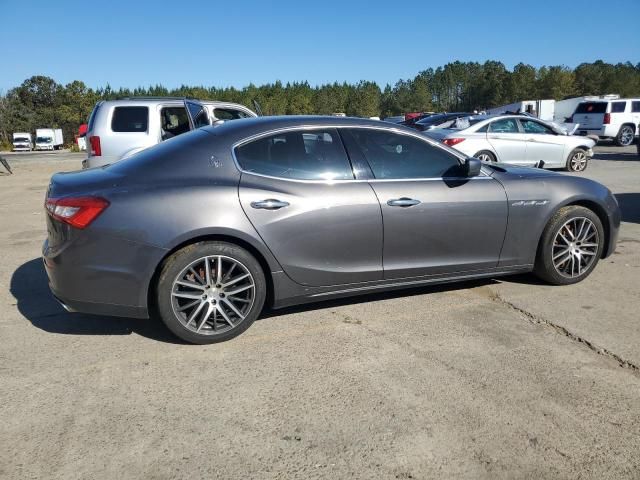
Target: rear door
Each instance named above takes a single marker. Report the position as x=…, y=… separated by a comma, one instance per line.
x=508, y=141
x=590, y=115
x=635, y=113
x=543, y=144
x=299, y=191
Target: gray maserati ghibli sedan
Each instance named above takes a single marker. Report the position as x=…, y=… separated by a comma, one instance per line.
x=206, y=228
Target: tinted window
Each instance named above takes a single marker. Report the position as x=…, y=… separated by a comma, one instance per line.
x=392, y=155
x=592, y=107
x=130, y=119
x=173, y=121
x=617, y=107
x=301, y=155
x=635, y=107
x=531, y=126
x=199, y=114
x=229, y=114
x=505, y=125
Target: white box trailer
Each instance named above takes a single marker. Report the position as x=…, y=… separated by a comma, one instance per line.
x=543, y=109
x=22, y=142
x=49, y=139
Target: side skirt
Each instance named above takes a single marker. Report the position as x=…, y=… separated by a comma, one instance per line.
x=288, y=293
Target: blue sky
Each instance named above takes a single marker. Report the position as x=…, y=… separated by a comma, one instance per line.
x=222, y=43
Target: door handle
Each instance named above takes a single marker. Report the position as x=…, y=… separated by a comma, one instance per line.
x=269, y=204
x=403, y=202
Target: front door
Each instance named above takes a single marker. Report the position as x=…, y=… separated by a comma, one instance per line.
x=436, y=221
x=543, y=144
x=298, y=190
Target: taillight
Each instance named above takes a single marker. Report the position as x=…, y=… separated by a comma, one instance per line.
x=96, y=151
x=452, y=141
x=607, y=119
x=78, y=212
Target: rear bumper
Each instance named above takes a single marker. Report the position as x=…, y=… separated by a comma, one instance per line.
x=102, y=274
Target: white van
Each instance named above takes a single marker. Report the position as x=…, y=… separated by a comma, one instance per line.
x=22, y=142
x=616, y=119
x=118, y=129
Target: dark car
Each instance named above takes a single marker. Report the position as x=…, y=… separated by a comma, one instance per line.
x=207, y=227
x=439, y=120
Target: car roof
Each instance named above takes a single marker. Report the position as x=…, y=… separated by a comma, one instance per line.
x=146, y=101
x=246, y=127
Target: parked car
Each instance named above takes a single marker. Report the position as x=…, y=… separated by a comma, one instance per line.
x=518, y=140
x=609, y=119
x=118, y=129
x=22, y=142
x=438, y=120
x=49, y=139
x=206, y=228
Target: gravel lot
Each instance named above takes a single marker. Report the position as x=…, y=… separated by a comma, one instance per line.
x=492, y=379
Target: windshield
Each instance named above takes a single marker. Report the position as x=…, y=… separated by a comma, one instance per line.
x=43, y=139
x=20, y=139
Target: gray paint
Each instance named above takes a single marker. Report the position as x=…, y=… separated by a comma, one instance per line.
x=332, y=240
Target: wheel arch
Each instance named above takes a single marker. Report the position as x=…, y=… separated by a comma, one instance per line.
x=227, y=237
x=592, y=205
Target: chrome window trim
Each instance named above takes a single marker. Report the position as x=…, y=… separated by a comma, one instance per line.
x=275, y=131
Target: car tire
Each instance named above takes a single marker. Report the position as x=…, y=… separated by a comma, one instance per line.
x=563, y=259
x=485, y=156
x=200, y=309
x=577, y=161
x=625, y=136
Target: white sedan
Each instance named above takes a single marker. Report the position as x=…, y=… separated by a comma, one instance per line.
x=517, y=139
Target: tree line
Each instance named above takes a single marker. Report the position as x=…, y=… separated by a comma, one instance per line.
x=41, y=102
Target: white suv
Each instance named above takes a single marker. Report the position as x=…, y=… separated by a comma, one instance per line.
x=119, y=128
x=617, y=119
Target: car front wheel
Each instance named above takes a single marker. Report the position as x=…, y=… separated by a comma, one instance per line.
x=570, y=247
x=210, y=292
x=577, y=161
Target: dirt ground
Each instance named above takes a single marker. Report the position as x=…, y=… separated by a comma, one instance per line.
x=504, y=378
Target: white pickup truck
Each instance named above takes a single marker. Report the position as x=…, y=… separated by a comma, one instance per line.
x=48, y=139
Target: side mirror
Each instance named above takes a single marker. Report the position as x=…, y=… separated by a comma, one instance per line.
x=472, y=167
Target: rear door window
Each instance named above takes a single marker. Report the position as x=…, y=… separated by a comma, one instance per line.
x=505, y=125
x=618, y=107
x=592, y=107
x=130, y=119
x=301, y=155
x=635, y=107
x=173, y=121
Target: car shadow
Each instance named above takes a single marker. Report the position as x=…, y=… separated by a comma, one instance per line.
x=617, y=157
x=629, y=206
x=30, y=287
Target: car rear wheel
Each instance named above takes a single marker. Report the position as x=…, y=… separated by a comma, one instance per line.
x=210, y=292
x=625, y=136
x=577, y=161
x=570, y=247
x=485, y=156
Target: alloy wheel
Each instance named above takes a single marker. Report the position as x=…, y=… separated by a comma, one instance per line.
x=575, y=247
x=485, y=157
x=212, y=295
x=626, y=136
x=578, y=161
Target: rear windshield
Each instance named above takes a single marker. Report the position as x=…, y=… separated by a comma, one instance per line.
x=592, y=107
x=130, y=119
x=617, y=107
